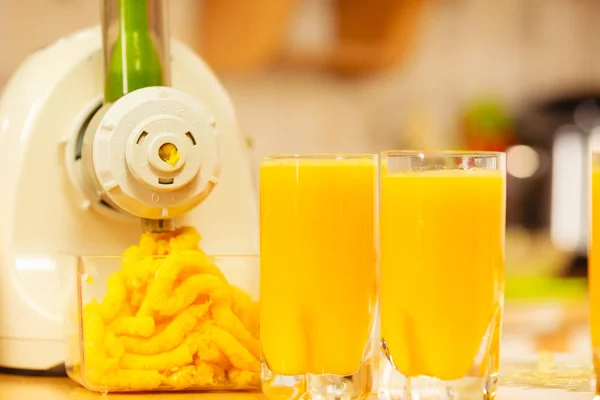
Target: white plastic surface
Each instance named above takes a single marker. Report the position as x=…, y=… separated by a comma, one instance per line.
x=42, y=212
x=126, y=152
x=25, y=354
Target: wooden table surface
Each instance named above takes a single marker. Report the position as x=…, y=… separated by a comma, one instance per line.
x=547, y=348
x=18, y=387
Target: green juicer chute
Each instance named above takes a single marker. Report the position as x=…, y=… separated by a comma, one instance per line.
x=136, y=55
x=134, y=60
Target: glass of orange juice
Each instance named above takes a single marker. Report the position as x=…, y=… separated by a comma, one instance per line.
x=594, y=266
x=442, y=273
x=318, y=279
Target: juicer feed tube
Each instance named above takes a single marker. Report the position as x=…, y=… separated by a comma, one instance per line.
x=136, y=49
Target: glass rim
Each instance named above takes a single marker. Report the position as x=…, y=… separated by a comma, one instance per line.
x=443, y=153
x=319, y=156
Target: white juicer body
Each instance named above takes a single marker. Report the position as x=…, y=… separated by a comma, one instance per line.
x=43, y=213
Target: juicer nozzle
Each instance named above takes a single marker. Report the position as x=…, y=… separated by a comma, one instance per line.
x=153, y=151
x=158, y=225
x=153, y=154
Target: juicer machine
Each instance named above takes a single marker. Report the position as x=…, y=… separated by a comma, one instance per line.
x=99, y=131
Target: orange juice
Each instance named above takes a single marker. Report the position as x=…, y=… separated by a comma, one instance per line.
x=442, y=249
x=318, y=267
x=594, y=269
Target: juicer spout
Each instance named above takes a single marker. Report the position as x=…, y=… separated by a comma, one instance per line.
x=158, y=225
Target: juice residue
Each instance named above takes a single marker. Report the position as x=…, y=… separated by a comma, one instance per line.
x=171, y=320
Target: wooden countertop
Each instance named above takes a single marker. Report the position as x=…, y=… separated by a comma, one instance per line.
x=555, y=334
x=20, y=387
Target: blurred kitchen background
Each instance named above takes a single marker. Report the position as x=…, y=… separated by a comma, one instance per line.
x=521, y=76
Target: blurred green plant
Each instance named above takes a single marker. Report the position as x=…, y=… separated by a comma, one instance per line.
x=488, y=124
x=488, y=114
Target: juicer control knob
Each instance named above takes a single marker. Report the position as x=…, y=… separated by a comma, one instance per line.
x=156, y=153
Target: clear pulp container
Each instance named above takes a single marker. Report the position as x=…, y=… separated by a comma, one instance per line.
x=185, y=321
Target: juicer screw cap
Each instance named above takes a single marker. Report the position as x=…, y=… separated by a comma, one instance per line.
x=161, y=155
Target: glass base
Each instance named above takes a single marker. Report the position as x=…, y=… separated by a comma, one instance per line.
x=395, y=386
x=318, y=387
x=596, y=382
